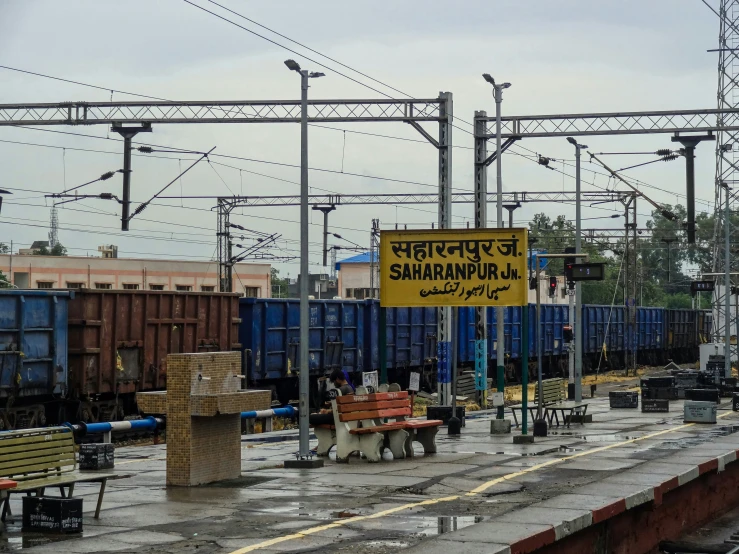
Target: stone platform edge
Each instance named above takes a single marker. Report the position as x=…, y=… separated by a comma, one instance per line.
x=545, y=523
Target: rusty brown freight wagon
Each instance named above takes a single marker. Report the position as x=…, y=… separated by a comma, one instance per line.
x=119, y=341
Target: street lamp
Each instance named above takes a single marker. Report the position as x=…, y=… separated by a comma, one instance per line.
x=499, y=311
x=578, y=286
x=303, y=458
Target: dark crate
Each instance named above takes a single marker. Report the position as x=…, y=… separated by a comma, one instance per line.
x=655, y=405
x=444, y=413
x=669, y=393
x=735, y=402
x=52, y=514
x=657, y=382
x=727, y=386
x=702, y=395
x=97, y=456
x=623, y=399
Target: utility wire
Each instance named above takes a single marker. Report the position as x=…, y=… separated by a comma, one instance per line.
x=143, y=205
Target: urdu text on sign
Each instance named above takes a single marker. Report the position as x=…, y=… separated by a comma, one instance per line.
x=453, y=267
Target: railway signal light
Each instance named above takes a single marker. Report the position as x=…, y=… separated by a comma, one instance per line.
x=701, y=286
x=552, y=286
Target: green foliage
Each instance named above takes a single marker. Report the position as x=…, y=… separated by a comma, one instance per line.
x=662, y=258
x=4, y=248
x=279, y=285
x=57, y=250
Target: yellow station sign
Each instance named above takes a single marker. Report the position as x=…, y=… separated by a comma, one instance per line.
x=453, y=267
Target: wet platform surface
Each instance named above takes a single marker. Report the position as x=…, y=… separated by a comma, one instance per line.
x=454, y=500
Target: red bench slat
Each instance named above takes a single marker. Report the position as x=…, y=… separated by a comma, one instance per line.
x=421, y=423
x=356, y=416
x=367, y=406
x=378, y=428
x=375, y=397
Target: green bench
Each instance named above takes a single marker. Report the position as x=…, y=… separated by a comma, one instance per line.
x=38, y=459
x=554, y=403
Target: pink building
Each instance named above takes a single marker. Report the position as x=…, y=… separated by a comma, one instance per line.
x=53, y=272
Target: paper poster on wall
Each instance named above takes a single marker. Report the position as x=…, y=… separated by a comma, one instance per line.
x=369, y=379
x=415, y=382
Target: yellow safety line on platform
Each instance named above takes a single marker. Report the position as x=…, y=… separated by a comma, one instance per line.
x=473, y=492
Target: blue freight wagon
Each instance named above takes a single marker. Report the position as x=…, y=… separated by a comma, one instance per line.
x=650, y=335
x=604, y=335
x=33, y=355
x=270, y=335
x=411, y=338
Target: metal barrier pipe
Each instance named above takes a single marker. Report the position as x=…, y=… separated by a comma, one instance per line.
x=146, y=424
x=287, y=411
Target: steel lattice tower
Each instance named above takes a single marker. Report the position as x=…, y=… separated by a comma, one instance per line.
x=727, y=157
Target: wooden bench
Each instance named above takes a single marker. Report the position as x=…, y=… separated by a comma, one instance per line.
x=326, y=432
x=361, y=425
x=37, y=459
x=554, y=401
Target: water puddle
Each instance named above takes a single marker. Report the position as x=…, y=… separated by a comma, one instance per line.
x=31, y=540
x=504, y=453
x=386, y=544
x=615, y=437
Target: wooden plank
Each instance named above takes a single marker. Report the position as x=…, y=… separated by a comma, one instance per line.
x=421, y=423
x=378, y=428
x=374, y=397
x=365, y=406
x=31, y=455
x=356, y=416
x=36, y=446
x=12, y=469
x=30, y=439
x=59, y=480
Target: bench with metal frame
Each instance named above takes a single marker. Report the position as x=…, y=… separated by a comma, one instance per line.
x=361, y=425
x=554, y=401
x=37, y=459
x=326, y=432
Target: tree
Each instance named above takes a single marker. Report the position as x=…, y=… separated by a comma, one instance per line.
x=4, y=248
x=279, y=286
x=56, y=250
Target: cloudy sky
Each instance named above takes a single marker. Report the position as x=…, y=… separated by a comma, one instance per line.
x=562, y=56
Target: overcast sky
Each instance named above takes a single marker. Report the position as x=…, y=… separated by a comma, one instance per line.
x=562, y=56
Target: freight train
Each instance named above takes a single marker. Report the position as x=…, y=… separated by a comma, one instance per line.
x=83, y=354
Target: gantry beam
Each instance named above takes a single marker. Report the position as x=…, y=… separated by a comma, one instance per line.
x=240, y=111
x=616, y=123
x=456, y=198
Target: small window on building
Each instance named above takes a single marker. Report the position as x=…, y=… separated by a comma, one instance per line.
x=73, y=285
x=349, y=293
x=207, y=288
x=183, y=288
x=104, y=286
x=45, y=284
x=156, y=287
x=251, y=292
x=130, y=286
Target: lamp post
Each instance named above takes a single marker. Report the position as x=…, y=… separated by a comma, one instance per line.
x=303, y=458
x=499, y=311
x=578, y=286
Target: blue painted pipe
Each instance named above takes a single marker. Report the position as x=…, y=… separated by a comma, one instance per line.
x=152, y=423
x=146, y=424
x=287, y=411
